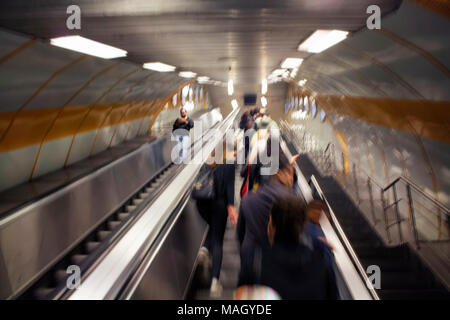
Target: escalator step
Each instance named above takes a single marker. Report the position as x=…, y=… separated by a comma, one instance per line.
x=149, y=190
x=103, y=234
x=143, y=195
x=113, y=224
x=137, y=201
x=42, y=293
x=60, y=275
x=91, y=246
x=130, y=208
x=77, y=259
x=123, y=215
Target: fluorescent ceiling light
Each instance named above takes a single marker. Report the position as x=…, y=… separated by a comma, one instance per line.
x=294, y=73
x=263, y=101
x=234, y=104
x=264, y=86
x=291, y=63
x=278, y=72
x=321, y=40
x=301, y=83
x=159, y=66
x=203, y=79
x=91, y=47
x=230, y=87
x=187, y=74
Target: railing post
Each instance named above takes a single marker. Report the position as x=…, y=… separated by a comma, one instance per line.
x=383, y=204
x=356, y=184
x=413, y=218
x=372, y=207
x=397, y=213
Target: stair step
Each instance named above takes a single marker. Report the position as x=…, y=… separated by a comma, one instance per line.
x=130, y=208
x=102, y=235
x=60, y=275
x=78, y=259
x=42, y=293
x=123, y=215
x=91, y=246
x=113, y=224
x=143, y=195
x=137, y=201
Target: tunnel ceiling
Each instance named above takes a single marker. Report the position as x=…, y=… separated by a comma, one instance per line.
x=207, y=37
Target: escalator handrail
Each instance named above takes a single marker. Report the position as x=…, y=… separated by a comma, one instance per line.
x=344, y=259
x=344, y=239
x=109, y=276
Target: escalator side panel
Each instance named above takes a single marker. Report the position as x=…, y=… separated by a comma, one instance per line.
x=169, y=274
x=36, y=236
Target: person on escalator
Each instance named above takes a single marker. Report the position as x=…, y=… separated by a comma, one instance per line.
x=290, y=267
x=180, y=130
x=222, y=207
x=312, y=230
x=254, y=214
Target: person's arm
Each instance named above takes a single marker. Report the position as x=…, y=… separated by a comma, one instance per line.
x=240, y=226
x=190, y=123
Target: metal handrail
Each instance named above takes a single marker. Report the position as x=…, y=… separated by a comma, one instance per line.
x=409, y=184
x=344, y=239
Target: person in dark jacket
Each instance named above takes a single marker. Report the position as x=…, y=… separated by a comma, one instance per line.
x=288, y=266
x=222, y=207
x=180, y=130
x=254, y=212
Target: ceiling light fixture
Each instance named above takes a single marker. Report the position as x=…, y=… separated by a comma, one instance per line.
x=264, y=86
x=301, y=83
x=263, y=101
x=159, y=66
x=203, y=79
x=278, y=72
x=230, y=87
x=87, y=46
x=187, y=74
x=321, y=40
x=291, y=63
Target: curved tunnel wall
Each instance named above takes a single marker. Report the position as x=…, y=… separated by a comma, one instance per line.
x=58, y=107
x=386, y=97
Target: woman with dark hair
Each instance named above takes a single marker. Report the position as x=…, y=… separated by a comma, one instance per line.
x=288, y=266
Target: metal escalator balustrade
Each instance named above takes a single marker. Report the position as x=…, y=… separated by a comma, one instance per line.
x=403, y=274
x=53, y=284
x=88, y=234
x=352, y=280
x=113, y=272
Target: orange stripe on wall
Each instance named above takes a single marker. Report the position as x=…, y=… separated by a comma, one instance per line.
x=430, y=118
x=31, y=125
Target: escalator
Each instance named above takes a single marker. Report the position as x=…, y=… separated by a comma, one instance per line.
x=403, y=274
x=53, y=284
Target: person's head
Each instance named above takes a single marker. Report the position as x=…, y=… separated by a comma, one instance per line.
x=315, y=209
x=285, y=173
x=287, y=219
x=183, y=112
